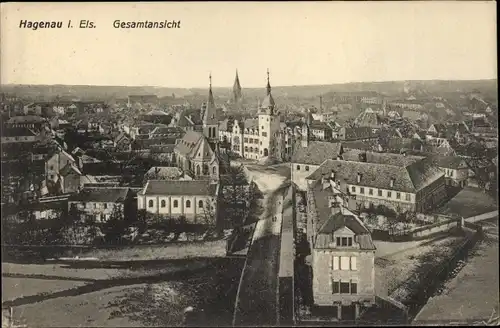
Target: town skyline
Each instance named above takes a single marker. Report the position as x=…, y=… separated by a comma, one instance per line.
x=384, y=42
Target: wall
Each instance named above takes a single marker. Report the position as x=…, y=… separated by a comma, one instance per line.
x=481, y=217
x=322, y=276
x=101, y=211
x=192, y=213
x=299, y=175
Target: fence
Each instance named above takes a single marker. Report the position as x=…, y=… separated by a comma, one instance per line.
x=481, y=217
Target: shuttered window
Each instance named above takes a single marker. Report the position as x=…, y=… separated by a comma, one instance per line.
x=344, y=263
x=354, y=265
x=336, y=264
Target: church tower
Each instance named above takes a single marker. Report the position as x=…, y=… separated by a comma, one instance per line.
x=237, y=96
x=210, y=121
x=269, y=124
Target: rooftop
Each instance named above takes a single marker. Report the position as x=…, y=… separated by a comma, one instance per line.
x=317, y=152
x=180, y=188
x=104, y=195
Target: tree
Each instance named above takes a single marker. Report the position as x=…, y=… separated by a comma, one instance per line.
x=115, y=227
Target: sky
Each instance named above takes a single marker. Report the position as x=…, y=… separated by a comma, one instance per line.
x=301, y=43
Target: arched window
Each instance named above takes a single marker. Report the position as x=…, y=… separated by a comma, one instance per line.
x=188, y=203
x=176, y=203
x=205, y=169
x=200, y=203
x=214, y=170
x=298, y=167
x=198, y=170
x=163, y=203
x=151, y=203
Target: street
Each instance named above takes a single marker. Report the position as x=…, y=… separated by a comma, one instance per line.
x=257, y=298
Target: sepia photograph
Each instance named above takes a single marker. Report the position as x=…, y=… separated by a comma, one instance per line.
x=232, y=164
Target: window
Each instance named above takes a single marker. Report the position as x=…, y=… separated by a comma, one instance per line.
x=354, y=265
x=407, y=197
x=398, y=195
x=200, y=203
x=150, y=203
x=264, y=134
x=214, y=170
x=344, y=263
x=163, y=203
x=176, y=203
x=298, y=167
x=105, y=205
x=335, y=287
x=380, y=193
x=361, y=190
x=188, y=204
x=389, y=194
x=354, y=288
x=344, y=241
x=353, y=189
x=344, y=287
x=370, y=191
x=246, y=139
x=307, y=168
x=95, y=205
x=263, y=127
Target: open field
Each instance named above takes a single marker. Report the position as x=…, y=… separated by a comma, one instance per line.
x=473, y=294
x=396, y=265
x=130, y=286
x=150, y=294
x=469, y=202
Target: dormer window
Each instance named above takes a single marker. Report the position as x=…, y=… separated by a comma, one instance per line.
x=392, y=183
x=359, y=177
x=344, y=241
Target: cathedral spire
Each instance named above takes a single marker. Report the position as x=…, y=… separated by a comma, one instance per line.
x=236, y=89
x=210, y=113
x=211, y=101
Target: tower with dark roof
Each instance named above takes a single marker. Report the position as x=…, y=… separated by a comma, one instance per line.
x=269, y=124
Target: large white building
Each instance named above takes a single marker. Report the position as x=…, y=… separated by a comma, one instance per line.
x=254, y=138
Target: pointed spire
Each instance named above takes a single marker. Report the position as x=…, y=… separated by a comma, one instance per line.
x=211, y=101
x=236, y=89
x=268, y=87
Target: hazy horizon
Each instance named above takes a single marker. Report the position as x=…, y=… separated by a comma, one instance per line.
x=314, y=43
x=243, y=87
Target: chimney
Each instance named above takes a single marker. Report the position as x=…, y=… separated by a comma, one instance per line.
x=359, y=177
x=392, y=183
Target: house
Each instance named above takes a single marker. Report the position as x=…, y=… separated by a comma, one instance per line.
x=100, y=203
x=369, y=119
x=35, y=123
x=356, y=133
x=167, y=132
x=320, y=130
x=402, y=183
x=56, y=162
x=307, y=157
x=343, y=255
x=123, y=142
x=195, y=200
x=69, y=179
x=142, y=100
x=18, y=135
x=456, y=170
x=165, y=173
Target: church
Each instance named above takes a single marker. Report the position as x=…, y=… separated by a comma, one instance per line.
x=198, y=153
x=253, y=138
